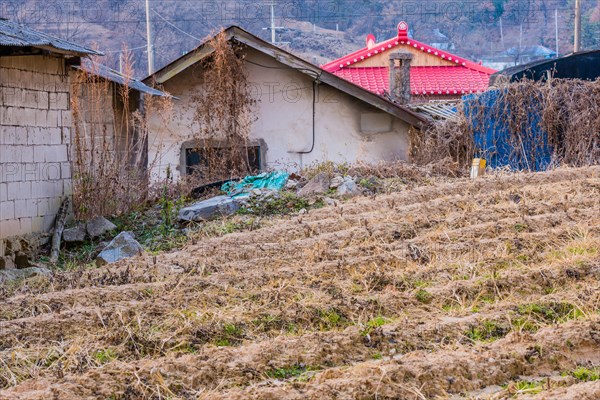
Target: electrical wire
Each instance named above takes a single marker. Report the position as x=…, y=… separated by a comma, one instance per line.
x=174, y=26
x=317, y=77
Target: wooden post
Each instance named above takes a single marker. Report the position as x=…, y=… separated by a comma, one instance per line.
x=59, y=227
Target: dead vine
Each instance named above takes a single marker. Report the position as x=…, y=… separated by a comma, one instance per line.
x=526, y=117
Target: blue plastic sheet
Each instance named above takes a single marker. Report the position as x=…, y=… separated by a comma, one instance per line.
x=269, y=180
x=492, y=134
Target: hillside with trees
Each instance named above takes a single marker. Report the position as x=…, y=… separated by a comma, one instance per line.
x=317, y=30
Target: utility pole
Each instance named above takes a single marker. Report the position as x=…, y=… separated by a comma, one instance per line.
x=521, y=44
x=273, y=28
x=577, y=45
x=501, y=34
x=149, y=44
x=556, y=30
x=273, y=23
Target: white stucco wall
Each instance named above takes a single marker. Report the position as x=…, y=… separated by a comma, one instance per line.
x=283, y=118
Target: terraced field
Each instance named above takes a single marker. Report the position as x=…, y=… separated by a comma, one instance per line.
x=485, y=289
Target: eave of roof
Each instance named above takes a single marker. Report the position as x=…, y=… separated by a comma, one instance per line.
x=111, y=75
x=13, y=34
x=538, y=64
x=290, y=60
x=402, y=40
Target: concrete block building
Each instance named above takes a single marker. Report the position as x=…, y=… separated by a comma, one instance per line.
x=35, y=123
x=36, y=130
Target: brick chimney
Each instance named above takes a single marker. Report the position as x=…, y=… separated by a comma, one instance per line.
x=400, y=77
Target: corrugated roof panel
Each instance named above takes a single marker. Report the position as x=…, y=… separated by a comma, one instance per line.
x=444, y=110
x=439, y=81
x=16, y=35
x=109, y=74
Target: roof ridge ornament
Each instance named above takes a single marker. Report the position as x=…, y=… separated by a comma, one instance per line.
x=371, y=41
x=403, y=30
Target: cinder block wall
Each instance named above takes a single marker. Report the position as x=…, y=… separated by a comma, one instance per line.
x=35, y=123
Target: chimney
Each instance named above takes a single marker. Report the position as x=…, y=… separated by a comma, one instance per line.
x=400, y=77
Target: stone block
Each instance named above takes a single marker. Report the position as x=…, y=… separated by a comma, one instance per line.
x=7, y=211
x=53, y=119
x=54, y=136
x=67, y=188
x=43, y=101
x=42, y=189
x=9, y=116
x=49, y=171
x=49, y=221
x=9, y=228
x=99, y=226
x=37, y=224
x=56, y=154
x=59, y=188
x=43, y=207
x=317, y=185
x=36, y=135
x=11, y=96
x=121, y=247
x=58, y=101
x=8, y=135
x=25, y=209
x=30, y=99
x=67, y=118
x=19, y=190
x=26, y=116
x=209, y=209
x=75, y=234
x=27, y=79
x=65, y=171
x=41, y=118
x=13, y=274
x=14, y=77
x=25, y=226
x=21, y=135
x=3, y=192
x=10, y=154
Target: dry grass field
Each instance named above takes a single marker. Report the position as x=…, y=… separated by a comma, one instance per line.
x=451, y=289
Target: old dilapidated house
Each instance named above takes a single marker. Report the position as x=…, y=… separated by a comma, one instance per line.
x=36, y=120
x=302, y=114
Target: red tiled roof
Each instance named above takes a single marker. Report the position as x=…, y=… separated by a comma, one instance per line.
x=446, y=80
x=463, y=77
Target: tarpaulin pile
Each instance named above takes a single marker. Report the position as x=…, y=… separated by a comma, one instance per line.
x=274, y=181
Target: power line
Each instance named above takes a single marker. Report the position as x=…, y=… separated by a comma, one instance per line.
x=126, y=49
x=174, y=26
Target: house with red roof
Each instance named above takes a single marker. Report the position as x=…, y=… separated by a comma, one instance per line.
x=434, y=74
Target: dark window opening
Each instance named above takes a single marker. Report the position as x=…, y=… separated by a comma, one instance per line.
x=197, y=160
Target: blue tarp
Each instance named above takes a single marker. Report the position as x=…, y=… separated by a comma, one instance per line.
x=492, y=134
x=269, y=180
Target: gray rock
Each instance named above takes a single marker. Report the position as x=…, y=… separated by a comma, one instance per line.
x=99, y=226
x=7, y=263
x=291, y=184
x=317, y=185
x=209, y=209
x=121, y=247
x=336, y=182
x=9, y=275
x=348, y=189
x=330, y=202
x=75, y=234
